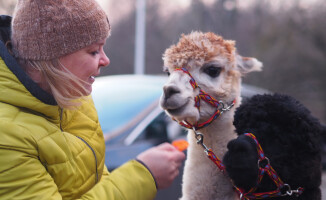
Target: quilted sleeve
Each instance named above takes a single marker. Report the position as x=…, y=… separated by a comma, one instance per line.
x=131, y=181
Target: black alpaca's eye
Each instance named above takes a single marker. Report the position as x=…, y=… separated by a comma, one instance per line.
x=213, y=71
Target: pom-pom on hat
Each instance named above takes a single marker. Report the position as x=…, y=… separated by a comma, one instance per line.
x=48, y=29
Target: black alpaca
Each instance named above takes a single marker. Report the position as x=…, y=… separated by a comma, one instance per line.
x=289, y=136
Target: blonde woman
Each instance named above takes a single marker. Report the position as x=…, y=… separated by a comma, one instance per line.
x=51, y=144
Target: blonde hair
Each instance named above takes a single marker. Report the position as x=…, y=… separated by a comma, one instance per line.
x=67, y=89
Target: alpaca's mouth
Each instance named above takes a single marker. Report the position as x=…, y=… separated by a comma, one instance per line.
x=176, y=111
x=174, y=104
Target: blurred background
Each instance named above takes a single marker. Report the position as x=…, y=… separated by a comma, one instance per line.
x=289, y=37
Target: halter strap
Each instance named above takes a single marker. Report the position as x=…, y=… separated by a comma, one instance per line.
x=208, y=99
x=265, y=167
x=282, y=189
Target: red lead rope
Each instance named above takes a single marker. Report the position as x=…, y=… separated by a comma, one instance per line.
x=215, y=160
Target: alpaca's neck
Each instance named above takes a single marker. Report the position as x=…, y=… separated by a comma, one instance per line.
x=200, y=172
x=216, y=135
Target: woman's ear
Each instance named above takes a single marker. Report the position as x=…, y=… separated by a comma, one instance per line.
x=247, y=64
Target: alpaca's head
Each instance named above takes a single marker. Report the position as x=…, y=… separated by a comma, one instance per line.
x=214, y=64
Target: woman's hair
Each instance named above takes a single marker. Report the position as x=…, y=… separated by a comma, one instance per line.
x=67, y=89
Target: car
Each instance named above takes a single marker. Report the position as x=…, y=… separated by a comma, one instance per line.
x=132, y=121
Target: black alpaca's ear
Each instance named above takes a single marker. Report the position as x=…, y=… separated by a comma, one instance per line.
x=242, y=144
x=241, y=162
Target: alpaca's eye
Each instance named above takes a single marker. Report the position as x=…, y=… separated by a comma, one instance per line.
x=166, y=70
x=213, y=71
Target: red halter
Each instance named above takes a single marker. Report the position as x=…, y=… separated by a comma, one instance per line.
x=208, y=99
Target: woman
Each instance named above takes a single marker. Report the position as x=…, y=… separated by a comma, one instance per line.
x=52, y=145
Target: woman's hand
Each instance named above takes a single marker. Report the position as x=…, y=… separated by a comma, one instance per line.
x=164, y=162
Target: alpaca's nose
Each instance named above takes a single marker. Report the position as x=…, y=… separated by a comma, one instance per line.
x=170, y=91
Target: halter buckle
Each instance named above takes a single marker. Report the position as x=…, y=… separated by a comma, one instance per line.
x=286, y=190
x=200, y=139
x=226, y=108
x=262, y=163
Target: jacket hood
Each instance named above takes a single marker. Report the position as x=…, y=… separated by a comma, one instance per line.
x=18, y=89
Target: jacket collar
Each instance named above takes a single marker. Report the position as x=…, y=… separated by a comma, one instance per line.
x=29, y=84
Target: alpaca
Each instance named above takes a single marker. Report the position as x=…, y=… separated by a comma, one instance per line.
x=290, y=138
x=217, y=69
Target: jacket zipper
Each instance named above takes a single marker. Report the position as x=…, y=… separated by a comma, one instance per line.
x=61, y=113
x=89, y=146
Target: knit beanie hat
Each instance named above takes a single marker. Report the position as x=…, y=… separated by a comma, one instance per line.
x=48, y=29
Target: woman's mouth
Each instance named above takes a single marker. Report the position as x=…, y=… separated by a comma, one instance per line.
x=91, y=79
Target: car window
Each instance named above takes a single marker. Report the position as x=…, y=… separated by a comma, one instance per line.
x=162, y=129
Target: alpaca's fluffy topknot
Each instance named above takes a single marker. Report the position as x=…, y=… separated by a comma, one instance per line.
x=200, y=47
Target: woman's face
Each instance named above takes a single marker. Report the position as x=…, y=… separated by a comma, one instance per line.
x=86, y=63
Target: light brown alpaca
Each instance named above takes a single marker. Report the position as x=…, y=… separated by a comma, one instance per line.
x=217, y=68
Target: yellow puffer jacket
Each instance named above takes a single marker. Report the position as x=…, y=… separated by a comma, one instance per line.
x=50, y=153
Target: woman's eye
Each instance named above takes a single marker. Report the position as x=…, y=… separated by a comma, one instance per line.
x=94, y=53
x=213, y=71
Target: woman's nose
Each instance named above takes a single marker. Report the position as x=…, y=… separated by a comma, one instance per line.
x=104, y=60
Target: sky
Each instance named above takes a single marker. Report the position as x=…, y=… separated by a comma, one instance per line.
x=116, y=10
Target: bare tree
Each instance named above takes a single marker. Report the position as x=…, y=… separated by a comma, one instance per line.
x=7, y=7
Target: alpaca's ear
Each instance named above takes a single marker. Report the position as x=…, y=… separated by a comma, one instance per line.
x=246, y=64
